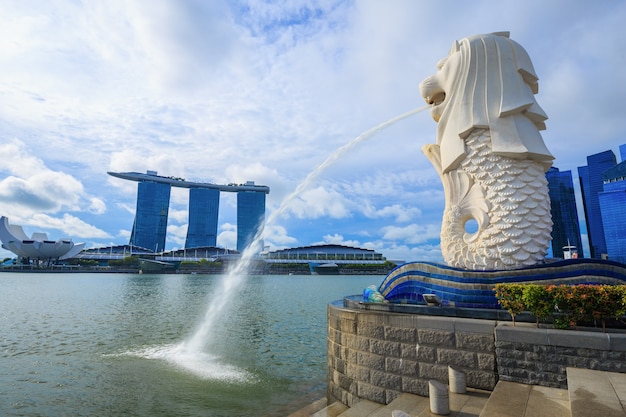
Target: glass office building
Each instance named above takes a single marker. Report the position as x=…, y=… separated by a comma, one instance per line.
x=150, y=226
x=204, y=204
x=613, y=208
x=591, y=185
x=153, y=198
x=250, y=217
x=565, y=229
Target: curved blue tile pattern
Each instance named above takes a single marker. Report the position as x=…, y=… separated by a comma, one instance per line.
x=463, y=288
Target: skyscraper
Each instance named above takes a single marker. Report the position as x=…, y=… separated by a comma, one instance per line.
x=150, y=226
x=565, y=229
x=204, y=206
x=250, y=217
x=153, y=195
x=613, y=208
x=591, y=184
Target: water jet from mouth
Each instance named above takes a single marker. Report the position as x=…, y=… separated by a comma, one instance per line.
x=194, y=347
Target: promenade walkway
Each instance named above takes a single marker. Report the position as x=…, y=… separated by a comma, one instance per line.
x=589, y=394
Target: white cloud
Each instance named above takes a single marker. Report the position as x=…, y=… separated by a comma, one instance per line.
x=97, y=206
x=425, y=253
x=227, y=236
x=318, y=202
x=256, y=172
x=178, y=216
x=411, y=234
x=31, y=187
x=142, y=160
x=15, y=159
x=337, y=239
x=124, y=234
x=277, y=237
x=127, y=208
x=71, y=226
x=402, y=214
x=176, y=235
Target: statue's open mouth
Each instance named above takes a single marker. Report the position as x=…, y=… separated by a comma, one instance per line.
x=436, y=99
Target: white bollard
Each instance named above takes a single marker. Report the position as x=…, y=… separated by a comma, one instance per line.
x=457, y=381
x=439, y=398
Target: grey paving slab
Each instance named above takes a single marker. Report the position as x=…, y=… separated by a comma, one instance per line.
x=363, y=409
x=547, y=402
x=469, y=404
x=619, y=385
x=409, y=403
x=333, y=410
x=310, y=409
x=508, y=399
x=474, y=406
x=592, y=394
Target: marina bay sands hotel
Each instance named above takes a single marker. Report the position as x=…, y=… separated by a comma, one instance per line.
x=153, y=201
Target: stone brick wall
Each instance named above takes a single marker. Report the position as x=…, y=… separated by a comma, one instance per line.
x=540, y=356
x=378, y=355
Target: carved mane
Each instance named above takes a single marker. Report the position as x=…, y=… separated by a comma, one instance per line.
x=493, y=88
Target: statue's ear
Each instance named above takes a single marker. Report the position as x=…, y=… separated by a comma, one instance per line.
x=456, y=47
x=505, y=34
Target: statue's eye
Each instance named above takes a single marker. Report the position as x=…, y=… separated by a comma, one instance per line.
x=441, y=63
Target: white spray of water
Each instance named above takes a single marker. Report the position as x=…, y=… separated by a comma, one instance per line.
x=190, y=354
x=335, y=155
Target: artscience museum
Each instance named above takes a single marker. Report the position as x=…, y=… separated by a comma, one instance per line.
x=38, y=246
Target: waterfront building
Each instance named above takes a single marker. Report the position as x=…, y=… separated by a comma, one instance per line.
x=250, y=217
x=36, y=247
x=150, y=225
x=613, y=209
x=204, y=204
x=325, y=253
x=565, y=229
x=328, y=259
x=591, y=185
x=153, y=196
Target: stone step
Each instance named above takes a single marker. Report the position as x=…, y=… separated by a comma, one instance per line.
x=512, y=399
x=589, y=394
x=596, y=393
x=310, y=409
x=461, y=405
x=409, y=403
x=333, y=410
x=364, y=408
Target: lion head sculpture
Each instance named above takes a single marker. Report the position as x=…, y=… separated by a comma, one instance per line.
x=487, y=81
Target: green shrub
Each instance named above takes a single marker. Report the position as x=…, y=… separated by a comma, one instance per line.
x=537, y=300
x=607, y=302
x=510, y=298
x=567, y=304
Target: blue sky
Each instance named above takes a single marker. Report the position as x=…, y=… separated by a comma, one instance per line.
x=252, y=90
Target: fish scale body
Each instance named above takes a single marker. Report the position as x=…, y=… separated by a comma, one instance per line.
x=516, y=228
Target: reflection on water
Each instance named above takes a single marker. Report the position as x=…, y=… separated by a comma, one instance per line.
x=101, y=344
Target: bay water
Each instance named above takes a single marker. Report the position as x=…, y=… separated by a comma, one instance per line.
x=79, y=344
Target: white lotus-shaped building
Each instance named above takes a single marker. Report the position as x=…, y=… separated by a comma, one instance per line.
x=38, y=246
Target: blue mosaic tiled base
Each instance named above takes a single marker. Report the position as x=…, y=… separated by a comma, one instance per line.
x=462, y=288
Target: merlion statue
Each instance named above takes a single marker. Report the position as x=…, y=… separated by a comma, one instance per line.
x=490, y=155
